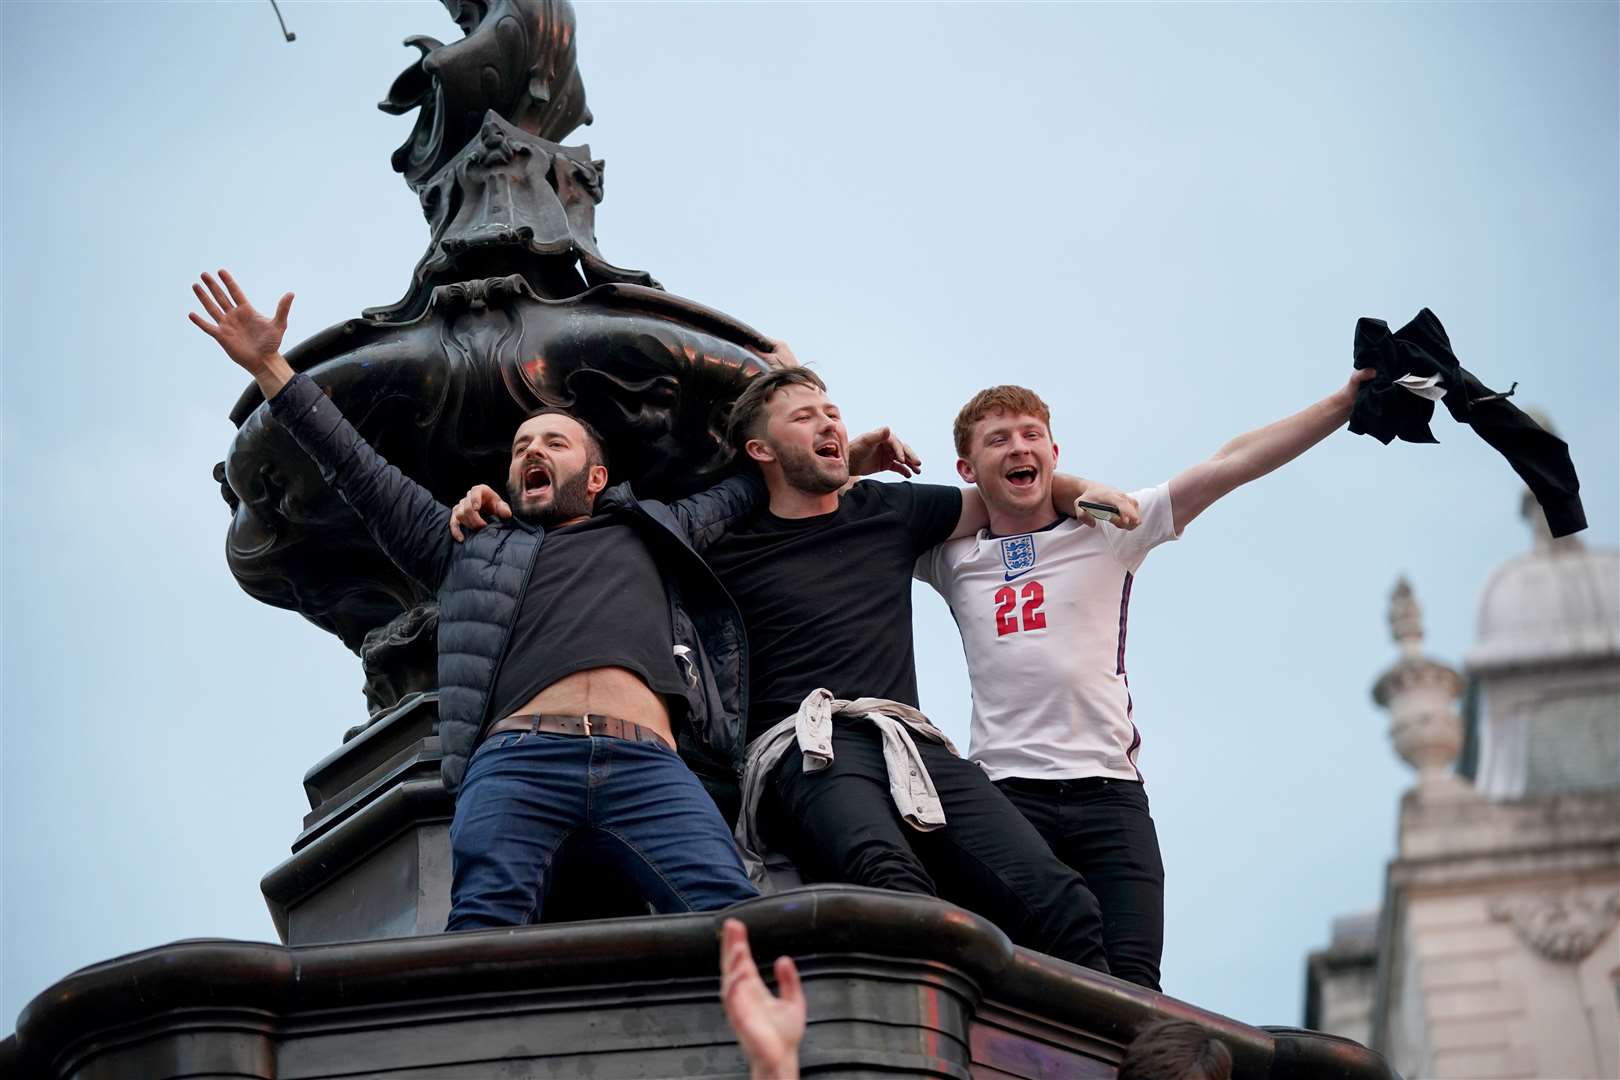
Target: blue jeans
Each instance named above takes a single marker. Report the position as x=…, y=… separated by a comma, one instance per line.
x=636, y=804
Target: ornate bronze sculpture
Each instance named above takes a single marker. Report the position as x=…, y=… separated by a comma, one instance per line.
x=511, y=308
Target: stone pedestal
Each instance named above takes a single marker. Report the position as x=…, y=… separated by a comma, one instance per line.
x=373, y=859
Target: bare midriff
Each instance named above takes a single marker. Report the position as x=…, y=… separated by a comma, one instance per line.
x=608, y=691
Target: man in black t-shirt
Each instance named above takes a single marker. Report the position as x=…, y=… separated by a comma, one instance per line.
x=823, y=579
x=826, y=598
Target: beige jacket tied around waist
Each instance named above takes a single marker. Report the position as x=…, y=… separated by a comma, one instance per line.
x=812, y=729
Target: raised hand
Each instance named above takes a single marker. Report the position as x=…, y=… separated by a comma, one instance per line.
x=468, y=514
x=769, y=1028
x=782, y=354
x=248, y=338
x=880, y=449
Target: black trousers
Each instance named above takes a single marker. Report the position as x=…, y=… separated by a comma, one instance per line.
x=840, y=824
x=1102, y=828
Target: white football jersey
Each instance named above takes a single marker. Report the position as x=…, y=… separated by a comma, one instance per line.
x=1043, y=619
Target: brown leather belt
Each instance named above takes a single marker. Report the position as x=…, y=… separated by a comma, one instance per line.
x=564, y=724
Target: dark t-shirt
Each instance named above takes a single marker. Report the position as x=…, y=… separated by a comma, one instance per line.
x=827, y=600
x=595, y=599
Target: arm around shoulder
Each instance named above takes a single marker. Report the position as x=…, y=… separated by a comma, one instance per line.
x=1068, y=491
x=704, y=518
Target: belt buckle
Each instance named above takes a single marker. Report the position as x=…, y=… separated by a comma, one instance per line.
x=585, y=720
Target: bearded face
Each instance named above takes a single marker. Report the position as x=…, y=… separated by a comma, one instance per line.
x=810, y=472
x=549, y=479
x=551, y=500
x=806, y=433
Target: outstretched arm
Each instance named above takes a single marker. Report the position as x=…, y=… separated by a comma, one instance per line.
x=1253, y=455
x=401, y=515
x=768, y=1028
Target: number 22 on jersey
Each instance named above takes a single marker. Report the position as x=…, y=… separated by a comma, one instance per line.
x=1008, y=611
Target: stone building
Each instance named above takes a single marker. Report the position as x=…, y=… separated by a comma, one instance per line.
x=1495, y=951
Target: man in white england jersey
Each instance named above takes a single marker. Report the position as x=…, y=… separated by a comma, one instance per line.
x=1041, y=602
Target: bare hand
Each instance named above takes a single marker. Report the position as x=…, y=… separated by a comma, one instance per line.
x=247, y=337
x=1130, y=514
x=879, y=450
x=1357, y=377
x=782, y=354
x=469, y=512
x=768, y=1028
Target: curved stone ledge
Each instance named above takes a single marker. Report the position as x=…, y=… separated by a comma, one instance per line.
x=895, y=983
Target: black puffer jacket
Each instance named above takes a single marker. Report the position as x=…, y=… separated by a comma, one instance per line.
x=480, y=583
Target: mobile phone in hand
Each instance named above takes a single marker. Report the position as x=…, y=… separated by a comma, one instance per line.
x=1100, y=511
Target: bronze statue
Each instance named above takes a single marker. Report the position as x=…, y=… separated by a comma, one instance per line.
x=511, y=308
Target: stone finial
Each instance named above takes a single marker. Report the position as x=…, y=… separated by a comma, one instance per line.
x=1406, y=618
x=1421, y=696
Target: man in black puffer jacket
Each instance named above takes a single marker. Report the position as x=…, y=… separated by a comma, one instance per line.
x=562, y=679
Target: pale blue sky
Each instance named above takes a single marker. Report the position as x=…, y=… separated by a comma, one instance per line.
x=1165, y=218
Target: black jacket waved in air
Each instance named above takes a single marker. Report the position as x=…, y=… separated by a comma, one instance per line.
x=480, y=584
x=1385, y=411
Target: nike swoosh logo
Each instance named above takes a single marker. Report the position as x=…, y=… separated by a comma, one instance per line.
x=1010, y=576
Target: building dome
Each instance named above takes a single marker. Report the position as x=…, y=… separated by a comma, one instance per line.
x=1543, y=709
x=1557, y=603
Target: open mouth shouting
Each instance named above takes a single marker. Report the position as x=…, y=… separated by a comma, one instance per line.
x=536, y=479
x=1022, y=478
x=830, y=450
